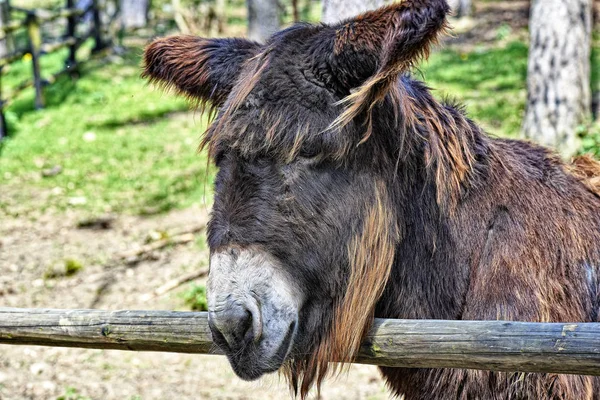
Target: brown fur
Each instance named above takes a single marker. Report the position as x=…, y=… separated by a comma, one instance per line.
x=371, y=254
x=588, y=171
x=182, y=63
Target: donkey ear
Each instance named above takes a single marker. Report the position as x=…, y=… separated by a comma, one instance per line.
x=387, y=41
x=203, y=69
x=370, y=51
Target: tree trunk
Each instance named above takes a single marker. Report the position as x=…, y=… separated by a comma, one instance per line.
x=337, y=10
x=295, y=10
x=596, y=105
x=134, y=13
x=263, y=19
x=461, y=8
x=221, y=10
x=558, y=81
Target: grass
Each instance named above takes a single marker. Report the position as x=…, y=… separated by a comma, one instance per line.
x=48, y=4
x=195, y=298
x=120, y=145
x=72, y=394
x=491, y=84
x=68, y=268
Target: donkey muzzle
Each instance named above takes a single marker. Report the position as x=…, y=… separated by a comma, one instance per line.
x=253, y=309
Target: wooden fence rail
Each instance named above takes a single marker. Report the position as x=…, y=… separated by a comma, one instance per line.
x=571, y=348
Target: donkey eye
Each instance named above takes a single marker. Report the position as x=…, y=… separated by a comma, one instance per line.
x=219, y=157
x=309, y=153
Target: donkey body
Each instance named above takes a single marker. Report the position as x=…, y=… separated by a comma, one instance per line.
x=346, y=191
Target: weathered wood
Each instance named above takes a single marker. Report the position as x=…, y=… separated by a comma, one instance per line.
x=32, y=21
x=42, y=16
x=28, y=83
x=493, y=345
x=52, y=47
x=295, y=10
x=10, y=27
x=35, y=46
x=490, y=345
x=50, y=15
x=10, y=58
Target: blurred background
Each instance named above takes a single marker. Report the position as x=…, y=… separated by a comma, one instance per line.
x=104, y=197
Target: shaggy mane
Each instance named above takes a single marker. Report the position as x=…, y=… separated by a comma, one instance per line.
x=371, y=254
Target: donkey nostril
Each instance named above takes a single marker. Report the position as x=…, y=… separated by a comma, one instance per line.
x=245, y=327
x=233, y=325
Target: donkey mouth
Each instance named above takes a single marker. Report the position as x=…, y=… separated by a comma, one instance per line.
x=250, y=361
x=253, y=309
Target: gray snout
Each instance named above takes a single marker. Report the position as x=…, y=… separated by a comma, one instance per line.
x=253, y=309
x=236, y=324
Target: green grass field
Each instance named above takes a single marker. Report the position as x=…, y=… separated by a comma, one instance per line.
x=490, y=82
x=122, y=146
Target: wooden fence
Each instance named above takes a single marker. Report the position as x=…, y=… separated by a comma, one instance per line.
x=31, y=21
x=571, y=348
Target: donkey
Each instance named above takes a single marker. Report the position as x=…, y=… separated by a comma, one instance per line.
x=345, y=191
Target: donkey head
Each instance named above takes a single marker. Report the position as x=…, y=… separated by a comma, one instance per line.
x=302, y=231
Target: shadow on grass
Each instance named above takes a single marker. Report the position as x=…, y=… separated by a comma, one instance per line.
x=143, y=118
x=177, y=190
x=65, y=87
x=54, y=95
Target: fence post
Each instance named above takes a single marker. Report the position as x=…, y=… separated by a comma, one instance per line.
x=35, y=45
x=100, y=44
x=3, y=128
x=7, y=46
x=71, y=62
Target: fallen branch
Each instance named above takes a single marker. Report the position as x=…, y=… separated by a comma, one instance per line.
x=132, y=256
x=492, y=345
x=178, y=236
x=177, y=282
x=190, y=229
x=99, y=223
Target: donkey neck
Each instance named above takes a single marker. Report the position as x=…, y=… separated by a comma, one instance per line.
x=449, y=157
x=428, y=278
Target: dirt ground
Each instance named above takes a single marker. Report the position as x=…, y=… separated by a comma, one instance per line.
x=31, y=248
